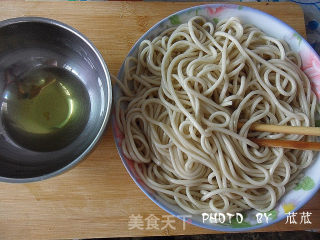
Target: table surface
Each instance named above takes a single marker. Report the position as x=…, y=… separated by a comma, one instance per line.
x=97, y=198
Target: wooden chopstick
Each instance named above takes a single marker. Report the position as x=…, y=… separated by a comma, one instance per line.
x=260, y=127
x=301, y=145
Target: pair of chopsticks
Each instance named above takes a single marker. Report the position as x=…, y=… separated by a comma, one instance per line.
x=302, y=145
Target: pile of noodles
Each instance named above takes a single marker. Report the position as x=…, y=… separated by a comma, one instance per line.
x=183, y=97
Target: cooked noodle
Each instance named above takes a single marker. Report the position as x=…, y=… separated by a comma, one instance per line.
x=183, y=97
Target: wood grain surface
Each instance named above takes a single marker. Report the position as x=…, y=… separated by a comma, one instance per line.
x=96, y=198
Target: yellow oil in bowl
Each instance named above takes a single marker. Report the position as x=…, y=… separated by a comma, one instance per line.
x=46, y=109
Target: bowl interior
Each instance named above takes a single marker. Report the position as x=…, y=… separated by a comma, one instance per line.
x=310, y=183
x=29, y=44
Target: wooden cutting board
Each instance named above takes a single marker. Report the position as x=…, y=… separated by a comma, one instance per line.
x=97, y=198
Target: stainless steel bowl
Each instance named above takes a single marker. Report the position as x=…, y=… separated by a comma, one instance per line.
x=30, y=43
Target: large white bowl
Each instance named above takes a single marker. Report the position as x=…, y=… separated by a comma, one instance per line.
x=309, y=185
